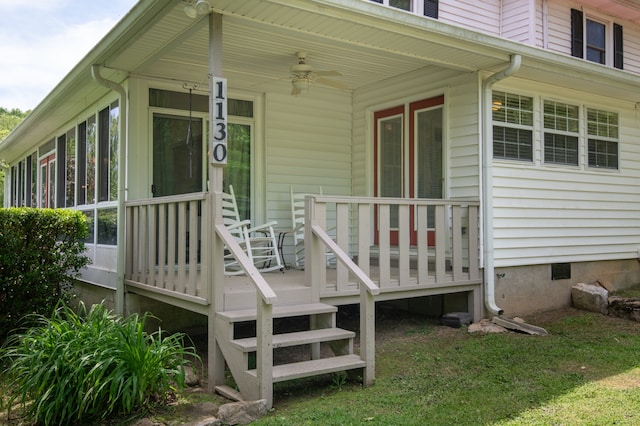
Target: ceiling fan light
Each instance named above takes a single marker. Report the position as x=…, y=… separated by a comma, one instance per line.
x=202, y=7
x=301, y=83
x=190, y=11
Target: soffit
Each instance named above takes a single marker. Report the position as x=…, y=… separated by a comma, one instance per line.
x=629, y=9
x=260, y=39
x=365, y=42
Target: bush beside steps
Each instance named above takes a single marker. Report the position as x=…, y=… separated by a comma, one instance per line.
x=80, y=366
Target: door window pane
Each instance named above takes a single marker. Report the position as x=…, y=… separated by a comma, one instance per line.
x=177, y=155
x=238, y=170
x=390, y=169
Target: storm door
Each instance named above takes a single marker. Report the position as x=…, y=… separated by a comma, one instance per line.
x=177, y=155
x=408, y=158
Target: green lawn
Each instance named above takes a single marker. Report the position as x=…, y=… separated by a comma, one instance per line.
x=586, y=371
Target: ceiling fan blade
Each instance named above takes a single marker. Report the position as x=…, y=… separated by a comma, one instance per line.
x=328, y=73
x=331, y=83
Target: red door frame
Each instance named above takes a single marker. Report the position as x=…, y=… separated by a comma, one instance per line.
x=46, y=162
x=400, y=110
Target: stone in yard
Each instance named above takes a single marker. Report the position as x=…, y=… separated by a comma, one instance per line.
x=242, y=413
x=623, y=307
x=590, y=298
x=485, y=326
x=191, y=378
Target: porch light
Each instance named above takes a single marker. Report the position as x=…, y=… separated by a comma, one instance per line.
x=202, y=7
x=301, y=83
x=193, y=9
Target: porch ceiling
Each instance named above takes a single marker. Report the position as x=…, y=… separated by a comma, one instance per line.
x=365, y=42
x=261, y=38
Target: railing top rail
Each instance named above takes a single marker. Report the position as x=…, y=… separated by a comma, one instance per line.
x=364, y=279
x=195, y=196
x=391, y=200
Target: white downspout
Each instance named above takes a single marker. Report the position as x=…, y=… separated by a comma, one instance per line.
x=122, y=158
x=487, y=183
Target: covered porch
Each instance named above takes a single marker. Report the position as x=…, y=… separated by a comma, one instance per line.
x=168, y=252
x=175, y=254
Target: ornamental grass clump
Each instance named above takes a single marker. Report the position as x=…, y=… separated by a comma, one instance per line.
x=76, y=367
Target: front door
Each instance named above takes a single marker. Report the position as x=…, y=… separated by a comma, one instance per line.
x=408, y=157
x=177, y=155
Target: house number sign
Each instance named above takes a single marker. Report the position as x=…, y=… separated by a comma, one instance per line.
x=218, y=107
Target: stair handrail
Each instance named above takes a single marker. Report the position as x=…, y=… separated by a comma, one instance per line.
x=262, y=287
x=368, y=291
x=343, y=257
x=265, y=298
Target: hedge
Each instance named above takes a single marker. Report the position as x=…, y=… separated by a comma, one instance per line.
x=41, y=253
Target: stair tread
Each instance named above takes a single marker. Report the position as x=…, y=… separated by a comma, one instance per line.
x=249, y=344
x=314, y=367
x=278, y=312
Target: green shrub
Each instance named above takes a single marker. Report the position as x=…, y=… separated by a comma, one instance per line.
x=78, y=367
x=41, y=252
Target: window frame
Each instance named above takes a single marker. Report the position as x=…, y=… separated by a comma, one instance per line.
x=613, y=34
x=517, y=126
x=560, y=132
x=608, y=140
x=416, y=7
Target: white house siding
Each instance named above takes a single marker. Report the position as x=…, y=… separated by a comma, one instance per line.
x=554, y=214
x=483, y=16
x=559, y=32
x=307, y=145
x=463, y=127
x=519, y=20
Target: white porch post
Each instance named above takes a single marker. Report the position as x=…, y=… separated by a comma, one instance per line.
x=216, y=262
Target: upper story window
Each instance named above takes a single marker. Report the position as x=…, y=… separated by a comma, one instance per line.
x=419, y=7
x=596, y=40
x=512, y=126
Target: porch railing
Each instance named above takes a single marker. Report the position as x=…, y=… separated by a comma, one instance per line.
x=164, y=245
x=402, y=244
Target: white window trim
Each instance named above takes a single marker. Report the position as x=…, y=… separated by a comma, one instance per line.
x=589, y=15
x=416, y=6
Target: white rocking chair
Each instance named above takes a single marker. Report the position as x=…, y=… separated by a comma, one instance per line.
x=297, y=226
x=258, y=242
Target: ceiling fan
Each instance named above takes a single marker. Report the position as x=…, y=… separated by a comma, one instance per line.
x=303, y=76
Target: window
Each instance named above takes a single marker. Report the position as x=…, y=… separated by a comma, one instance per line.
x=91, y=160
x=108, y=142
x=420, y=7
x=561, y=133
x=107, y=226
x=512, y=126
x=602, y=131
x=596, y=40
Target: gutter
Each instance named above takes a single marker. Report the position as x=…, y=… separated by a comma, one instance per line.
x=122, y=158
x=487, y=182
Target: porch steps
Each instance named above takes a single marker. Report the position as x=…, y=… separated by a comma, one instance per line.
x=241, y=315
x=249, y=344
x=314, y=367
x=306, y=327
